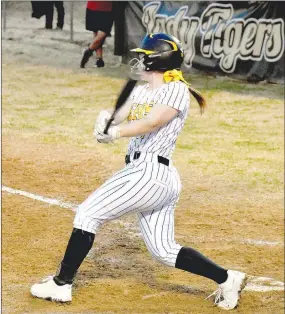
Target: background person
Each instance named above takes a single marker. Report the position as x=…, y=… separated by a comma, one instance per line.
x=99, y=20
x=40, y=8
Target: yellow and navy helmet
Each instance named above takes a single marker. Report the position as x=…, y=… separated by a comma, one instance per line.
x=160, y=52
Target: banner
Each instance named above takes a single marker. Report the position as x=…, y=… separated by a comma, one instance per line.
x=234, y=38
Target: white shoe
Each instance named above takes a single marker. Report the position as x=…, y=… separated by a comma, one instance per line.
x=228, y=294
x=49, y=290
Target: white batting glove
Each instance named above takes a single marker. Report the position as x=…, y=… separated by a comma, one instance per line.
x=113, y=134
x=99, y=129
x=102, y=119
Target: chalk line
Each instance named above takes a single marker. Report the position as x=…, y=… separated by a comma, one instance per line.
x=257, y=284
x=51, y=201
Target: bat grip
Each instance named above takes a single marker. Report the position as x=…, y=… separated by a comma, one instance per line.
x=108, y=125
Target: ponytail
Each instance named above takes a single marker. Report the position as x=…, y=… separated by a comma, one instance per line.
x=199, y=98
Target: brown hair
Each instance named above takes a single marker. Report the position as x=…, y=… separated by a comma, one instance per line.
x=199, y=98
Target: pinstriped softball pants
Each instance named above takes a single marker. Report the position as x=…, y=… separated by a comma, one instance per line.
x=149, y=189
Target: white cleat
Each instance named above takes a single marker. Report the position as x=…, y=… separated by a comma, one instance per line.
x=228, y=294
x=49, y=290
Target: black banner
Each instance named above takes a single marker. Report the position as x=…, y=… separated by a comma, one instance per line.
x=235, y=38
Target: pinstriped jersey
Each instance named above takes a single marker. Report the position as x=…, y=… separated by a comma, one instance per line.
x=162, y=141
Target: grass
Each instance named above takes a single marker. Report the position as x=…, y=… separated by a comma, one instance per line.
x=240, y=125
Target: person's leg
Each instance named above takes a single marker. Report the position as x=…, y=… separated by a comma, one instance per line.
x=157, y=228
x=158, y=231
x=49, y=14
x=194, y=262
x=90, y=25
x=79, y=245
x=100, y=62
x=60, y=13
x=96, y=44
x=111, y=201
x=99, y=53
x=98, y=40
x=105, y=22
x=59, y=287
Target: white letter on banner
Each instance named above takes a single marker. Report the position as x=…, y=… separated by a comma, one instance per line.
x=159, y=25
x=218, y=43
x=274, y=47
x=232, y=38
x=248, y=38
x=148, y=18
x=189, y=53
x=263, y=30
x=210, y=19
x=173, y=22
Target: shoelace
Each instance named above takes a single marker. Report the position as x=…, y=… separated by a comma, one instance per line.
x=218, y=295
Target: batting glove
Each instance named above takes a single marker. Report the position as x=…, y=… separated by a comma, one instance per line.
x=103, y=118
x=113, y=134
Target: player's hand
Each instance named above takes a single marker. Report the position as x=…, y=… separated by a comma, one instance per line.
x=102, y=119
x=113, y=134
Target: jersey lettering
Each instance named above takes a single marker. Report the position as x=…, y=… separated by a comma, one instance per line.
x=139, y=111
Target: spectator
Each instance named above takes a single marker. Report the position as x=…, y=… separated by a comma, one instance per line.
x=99, y=20
x=41, y=8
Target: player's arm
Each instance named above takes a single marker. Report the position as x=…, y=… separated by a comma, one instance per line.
x=159, y=116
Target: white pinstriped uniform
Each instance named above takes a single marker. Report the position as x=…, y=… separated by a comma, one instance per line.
x=145, y=186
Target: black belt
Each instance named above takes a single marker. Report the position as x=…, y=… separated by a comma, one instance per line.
x=160, y=159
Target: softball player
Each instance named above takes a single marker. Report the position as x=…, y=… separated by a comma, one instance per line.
x=149, y=185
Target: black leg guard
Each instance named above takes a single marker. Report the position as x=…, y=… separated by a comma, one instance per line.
x=77, y=249
x=194, y=262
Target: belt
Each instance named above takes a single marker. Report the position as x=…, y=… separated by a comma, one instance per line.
x=160, y=159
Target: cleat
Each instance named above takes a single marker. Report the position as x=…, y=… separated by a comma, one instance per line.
x=50, y=291
x=228, y=294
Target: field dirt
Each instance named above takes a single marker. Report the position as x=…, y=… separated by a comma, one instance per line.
x=230, y=161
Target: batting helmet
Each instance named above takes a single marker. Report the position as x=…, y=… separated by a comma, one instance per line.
x=160, y=52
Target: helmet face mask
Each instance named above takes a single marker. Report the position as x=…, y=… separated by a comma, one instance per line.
x=161, y=52
x=137, y=65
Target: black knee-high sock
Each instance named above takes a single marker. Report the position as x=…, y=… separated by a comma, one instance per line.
x=191, y=260
x=77, y=249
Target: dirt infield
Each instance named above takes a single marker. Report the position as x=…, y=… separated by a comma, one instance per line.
x=231, y=166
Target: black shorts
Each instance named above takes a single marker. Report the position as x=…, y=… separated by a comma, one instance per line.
x=99, y=21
